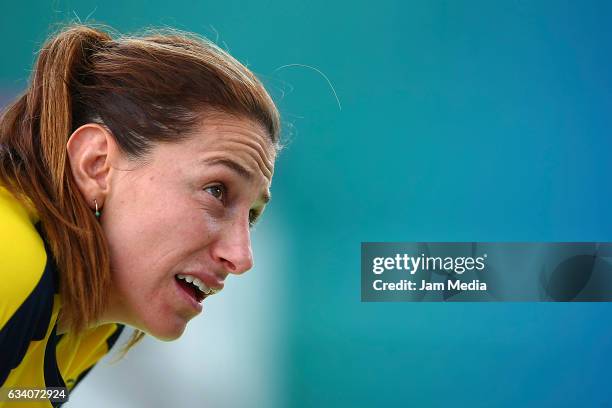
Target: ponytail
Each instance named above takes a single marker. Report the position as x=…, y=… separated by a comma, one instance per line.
x=33, y=161
x=56, y=68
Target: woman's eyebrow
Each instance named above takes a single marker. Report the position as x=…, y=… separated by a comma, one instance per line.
x=235, y=166
x=239, y=169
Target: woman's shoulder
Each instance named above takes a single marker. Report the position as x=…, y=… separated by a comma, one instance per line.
x=27, y=290
x=22, y=253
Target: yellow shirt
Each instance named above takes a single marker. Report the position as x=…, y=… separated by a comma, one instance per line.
x=32, y=355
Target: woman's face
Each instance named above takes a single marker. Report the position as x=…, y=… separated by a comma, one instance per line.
x=185, y=211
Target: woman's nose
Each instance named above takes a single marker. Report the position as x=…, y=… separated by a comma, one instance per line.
x=233, y=249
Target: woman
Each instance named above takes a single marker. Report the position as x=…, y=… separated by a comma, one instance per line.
x=131, y=170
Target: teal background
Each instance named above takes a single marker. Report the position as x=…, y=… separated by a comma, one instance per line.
x=466, y=121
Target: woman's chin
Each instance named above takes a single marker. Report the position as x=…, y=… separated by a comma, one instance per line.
x=165, y=331
x=168, y=337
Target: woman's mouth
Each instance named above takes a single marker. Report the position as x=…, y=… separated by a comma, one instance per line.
x=193, y=286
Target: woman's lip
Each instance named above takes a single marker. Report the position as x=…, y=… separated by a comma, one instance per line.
x=210, y=280
x=190, y=299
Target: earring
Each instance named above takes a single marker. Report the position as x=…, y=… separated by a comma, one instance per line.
x=97, y=211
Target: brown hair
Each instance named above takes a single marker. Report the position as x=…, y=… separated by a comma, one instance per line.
x=144, y=89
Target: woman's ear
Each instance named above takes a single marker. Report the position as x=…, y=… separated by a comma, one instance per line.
x=90, y=148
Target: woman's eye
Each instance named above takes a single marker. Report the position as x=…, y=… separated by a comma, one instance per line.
x=217, y=191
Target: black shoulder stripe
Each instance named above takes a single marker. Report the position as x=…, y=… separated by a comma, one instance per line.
x=81, y=376
x=53, y=377
x=112, y=339
x=50, y=259
x=29, y=322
